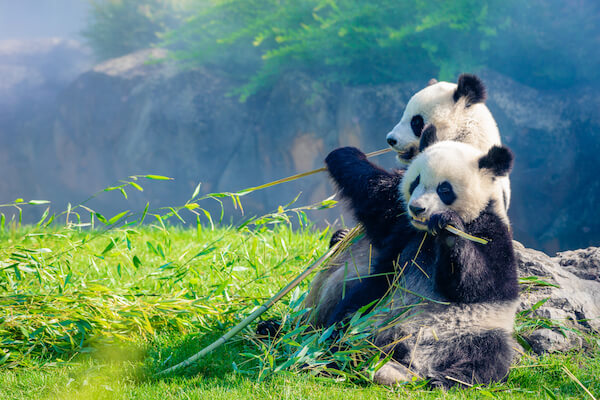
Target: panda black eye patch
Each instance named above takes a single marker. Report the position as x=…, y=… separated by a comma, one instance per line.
x=446, y=193
x=416, y=124
x=414, y=185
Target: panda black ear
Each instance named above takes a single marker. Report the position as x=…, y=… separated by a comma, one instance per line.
x=499, y=160
x=432, y=81
x=470, y=87
x=428, y=137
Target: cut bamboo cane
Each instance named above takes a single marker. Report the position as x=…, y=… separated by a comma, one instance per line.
x=339, y=247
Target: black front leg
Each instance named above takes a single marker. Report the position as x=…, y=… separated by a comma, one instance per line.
x=470, y=271
x=372, y=191
x=453, y=257
x=372, y=288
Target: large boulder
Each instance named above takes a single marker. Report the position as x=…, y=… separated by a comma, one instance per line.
x=561, y=299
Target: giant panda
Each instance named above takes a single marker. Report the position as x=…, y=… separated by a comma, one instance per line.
x=444, y=110
x=458, y=112
x=456, y=298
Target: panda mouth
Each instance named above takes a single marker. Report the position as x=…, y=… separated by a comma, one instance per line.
x=406, y=156
x=419, y=223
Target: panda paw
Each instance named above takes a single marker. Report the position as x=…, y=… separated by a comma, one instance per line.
x=344, y=155
x=338, y=236
x=268, y=329
x=439, y=222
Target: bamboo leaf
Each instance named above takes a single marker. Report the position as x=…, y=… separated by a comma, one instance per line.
x=109, y=247
x=144, y=213
x=101, y=218
x=117, y=217
x=135, y=185
x=158, y=177
x=196, y=191
x=35, y=202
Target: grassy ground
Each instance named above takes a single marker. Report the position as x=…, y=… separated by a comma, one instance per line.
x=95, y=314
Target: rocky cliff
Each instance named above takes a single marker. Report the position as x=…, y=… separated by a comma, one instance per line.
x=33, y=74
x=129, y=116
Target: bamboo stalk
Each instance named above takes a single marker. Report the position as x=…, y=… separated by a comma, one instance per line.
x=303, y=174
x=339, y=247
x=465, y=235
x=574, y=378
x=456, y=231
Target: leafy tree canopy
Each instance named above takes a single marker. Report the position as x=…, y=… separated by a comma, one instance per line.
x=542, y=42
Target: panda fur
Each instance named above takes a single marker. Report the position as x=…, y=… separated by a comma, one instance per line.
x=458, y=112
x=356, y=177
x=457, y=298
x=451, y=112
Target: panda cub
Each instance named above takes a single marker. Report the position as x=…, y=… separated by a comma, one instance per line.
x=456, y=298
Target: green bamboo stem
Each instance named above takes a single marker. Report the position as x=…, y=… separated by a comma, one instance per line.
x=337, y=248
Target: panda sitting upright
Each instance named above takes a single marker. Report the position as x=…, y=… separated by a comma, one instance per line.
x=451, y=111
x=457, y=298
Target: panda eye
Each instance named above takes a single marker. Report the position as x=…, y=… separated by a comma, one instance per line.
x=416, y=124
x=446, y=193
x=414, y=185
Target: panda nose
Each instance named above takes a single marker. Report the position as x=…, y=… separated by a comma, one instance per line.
x=391, y=141
x=416, y=210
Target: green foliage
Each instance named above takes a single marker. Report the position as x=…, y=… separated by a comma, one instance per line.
x=119, y=27
x=540, y=43
x=94, y=280
x=94, y=306
x=347, y=41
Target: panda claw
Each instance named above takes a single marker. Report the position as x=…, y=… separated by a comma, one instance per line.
x=338, y=236
x=268, y=329
x=439, y=222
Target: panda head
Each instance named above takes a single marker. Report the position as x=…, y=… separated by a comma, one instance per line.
x=457, y=111
x=455, y=176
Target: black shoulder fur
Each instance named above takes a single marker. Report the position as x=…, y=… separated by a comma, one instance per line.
x=371, y=191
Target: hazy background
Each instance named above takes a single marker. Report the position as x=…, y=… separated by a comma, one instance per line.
x=31, y=19
x=251, y=91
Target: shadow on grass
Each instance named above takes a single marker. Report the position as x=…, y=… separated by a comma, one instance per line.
x=170, y=349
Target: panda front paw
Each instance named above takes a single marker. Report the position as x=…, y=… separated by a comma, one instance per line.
x=344, y=155
x=268, y=329
x=439, y=222
x=338, y=236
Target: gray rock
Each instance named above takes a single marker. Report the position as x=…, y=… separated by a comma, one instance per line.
x=572, y=304
x=554, y=135
x=547, y=340
x=585, y=263
x=33, y=74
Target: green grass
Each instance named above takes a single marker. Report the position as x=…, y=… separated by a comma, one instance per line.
x=97, y=313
